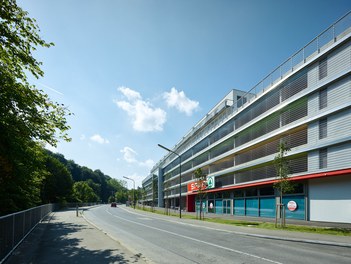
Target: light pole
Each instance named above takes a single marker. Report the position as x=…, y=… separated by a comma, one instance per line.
x=180, y=177
x=133, y=189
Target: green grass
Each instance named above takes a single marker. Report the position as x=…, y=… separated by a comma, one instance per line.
x=265, y=225
x=295, y=228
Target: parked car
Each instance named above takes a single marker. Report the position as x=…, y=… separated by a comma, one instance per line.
x=113, y=204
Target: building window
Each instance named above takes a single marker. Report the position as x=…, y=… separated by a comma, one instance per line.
x=323, y=158
x=323, y=68
x=323, y=128
x=323, y=98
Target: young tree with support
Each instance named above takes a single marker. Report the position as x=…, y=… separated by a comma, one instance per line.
x=202, y=186
x=283, y=184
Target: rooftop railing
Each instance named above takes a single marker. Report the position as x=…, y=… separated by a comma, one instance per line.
x=327, y=38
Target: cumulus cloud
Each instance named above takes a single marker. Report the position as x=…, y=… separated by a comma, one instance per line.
x=130, y=156
x=137, y=178
x=180, y=101
x=145, y=117
x=129, y=93
x=99, y=139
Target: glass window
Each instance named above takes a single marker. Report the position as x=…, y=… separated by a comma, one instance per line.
x=239, y=193
x=251, y=192
x=298, y=189
x=323, y=127
x=323, y=98
x=266, y=191
x=323, y=158
x=323, y=68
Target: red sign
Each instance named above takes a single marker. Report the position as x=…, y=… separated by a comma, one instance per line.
x=194, y=186
x=292, y=206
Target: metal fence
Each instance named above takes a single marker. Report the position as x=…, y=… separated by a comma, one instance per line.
x=15, y=227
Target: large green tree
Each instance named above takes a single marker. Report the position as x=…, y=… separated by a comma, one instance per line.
x=84, y=193
x=57, y=184
x=28, y=118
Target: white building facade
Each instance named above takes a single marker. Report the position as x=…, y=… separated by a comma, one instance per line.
x=306, y=103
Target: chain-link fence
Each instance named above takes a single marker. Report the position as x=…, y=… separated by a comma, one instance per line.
x=15, y=227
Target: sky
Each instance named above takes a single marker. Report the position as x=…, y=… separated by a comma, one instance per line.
x=141, y=73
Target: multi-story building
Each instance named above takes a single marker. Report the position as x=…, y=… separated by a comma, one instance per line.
x=306, y=103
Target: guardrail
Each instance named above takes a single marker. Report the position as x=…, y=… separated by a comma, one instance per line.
x=15, y=227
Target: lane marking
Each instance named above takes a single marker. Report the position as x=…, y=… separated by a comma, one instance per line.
x=196, y=240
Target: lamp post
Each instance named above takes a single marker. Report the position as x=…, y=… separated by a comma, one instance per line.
x=180, y=177
x=133, y=189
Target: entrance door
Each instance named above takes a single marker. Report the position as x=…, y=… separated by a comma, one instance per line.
x=227, y=206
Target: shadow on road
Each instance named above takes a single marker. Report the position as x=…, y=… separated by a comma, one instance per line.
x=68, y=242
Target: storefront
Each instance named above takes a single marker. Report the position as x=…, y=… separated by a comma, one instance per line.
x=256, y=202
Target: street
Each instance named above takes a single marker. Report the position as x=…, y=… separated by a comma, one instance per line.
x=162, y=239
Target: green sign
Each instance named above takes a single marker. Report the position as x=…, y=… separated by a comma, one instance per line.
x=210, y=182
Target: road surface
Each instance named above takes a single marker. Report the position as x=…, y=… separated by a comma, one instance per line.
x=162, y=239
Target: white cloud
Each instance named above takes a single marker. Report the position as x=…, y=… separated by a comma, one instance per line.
x=180, y=101
x=130, y=156
x=129, y=93
x=99, y=139
x=145, y=117
x=147, y=163
x=82, y=137
x=137, y=178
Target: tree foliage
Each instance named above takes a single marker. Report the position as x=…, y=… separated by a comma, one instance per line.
x=201, y=185
x=83, y=193
x=283, y=184
x=28, y=118
x=58, y=183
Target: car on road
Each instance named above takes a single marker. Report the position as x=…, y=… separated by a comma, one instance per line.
x=113, y=204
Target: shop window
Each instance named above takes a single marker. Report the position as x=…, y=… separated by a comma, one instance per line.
x=251, y=192
x=226, y=194
x=298, y=188
x=239, y=193
x=266, y=191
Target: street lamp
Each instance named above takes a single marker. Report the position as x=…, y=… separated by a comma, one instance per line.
x=180, y=177
x=133, y=189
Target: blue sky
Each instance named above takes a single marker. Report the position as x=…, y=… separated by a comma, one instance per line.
x=141, y=73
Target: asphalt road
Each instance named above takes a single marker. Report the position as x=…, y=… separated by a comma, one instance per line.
x=162, y=239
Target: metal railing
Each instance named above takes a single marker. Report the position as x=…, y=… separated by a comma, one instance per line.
x=309, y=52
x=15, y=227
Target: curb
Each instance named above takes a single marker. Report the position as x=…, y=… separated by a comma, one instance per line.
x=299, y=240
x=310, y=241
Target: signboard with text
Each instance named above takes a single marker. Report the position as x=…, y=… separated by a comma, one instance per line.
x=208, y=184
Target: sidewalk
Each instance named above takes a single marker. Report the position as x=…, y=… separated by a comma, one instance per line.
x=65, y=238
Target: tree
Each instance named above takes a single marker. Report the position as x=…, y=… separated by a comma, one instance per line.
x=166, y=185
x=28, y=118
x=202, y=186
x=84, y=193
x=282, y=184
x=57, y=185
x=154, y=191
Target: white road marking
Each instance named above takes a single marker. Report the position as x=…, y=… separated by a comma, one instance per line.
x=196, y=240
